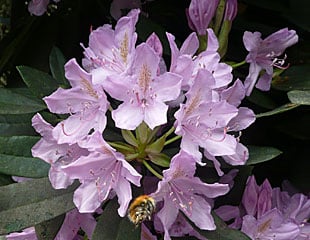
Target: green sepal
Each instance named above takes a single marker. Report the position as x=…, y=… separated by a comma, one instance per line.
x=129, y=137
x=160, y=159
x=157, y=146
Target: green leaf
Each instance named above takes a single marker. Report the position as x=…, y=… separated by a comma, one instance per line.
x=299, y=97
x=16, y=124
x=23, y=166
x=13, y=103
x=294, y=78
x=259, y=154
x=222, y=232
x=57, y=62
x=29, y=203
x=39, y=83
x=111, y=226
x=262, y=99
x=16, y=159
x=281, y=109
x=5, y=180
x=49, y=229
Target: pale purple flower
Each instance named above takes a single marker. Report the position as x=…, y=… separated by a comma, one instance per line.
x=72, y=224
x=102, y=171
x=26, y=234
x=267, y=213
x=245, y=117
x=182, y=59
x=57, y=155
x=203, y=122
x=111, y=52
x=38, y=7
x=85, y=102
x=143, y=93
x=180, y=190
x=270, y=225
x=296, y=207
x=200, y=14
x=209, y=59
x=263, y=55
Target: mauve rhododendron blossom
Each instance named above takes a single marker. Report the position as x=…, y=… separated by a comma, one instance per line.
x=85, y=102
x=180, y=190
x=263, y=55
x=103, y=170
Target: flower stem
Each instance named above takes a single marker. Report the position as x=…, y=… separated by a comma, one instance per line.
x=170, y=131
x=171, y=140
x=148, y=166
x=238, y=64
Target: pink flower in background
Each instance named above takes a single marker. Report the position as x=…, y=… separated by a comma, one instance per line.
x=180, y=190
x=38, y=7
x=102, y=171
x=263, y=55
x=85, y=102
x=200, y=14
x=143, y=93
x=57, y=155
x=267, y=213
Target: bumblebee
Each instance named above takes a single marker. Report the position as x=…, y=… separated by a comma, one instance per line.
x=141, y=209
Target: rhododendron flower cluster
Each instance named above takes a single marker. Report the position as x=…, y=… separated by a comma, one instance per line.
x=128, y=88
x=136, y=75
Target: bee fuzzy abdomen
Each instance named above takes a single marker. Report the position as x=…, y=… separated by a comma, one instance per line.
x=141, y=209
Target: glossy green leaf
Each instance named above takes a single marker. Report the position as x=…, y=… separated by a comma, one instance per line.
x=111, y=226
x=294, y=78
x=29, y=203
x=49, y=229
x=262, y=99
x=259, y=154
x=39, y=83
x=57, y=61
x=283, y=108
x=299, y=97
x=13, y=103
x=16, y=124
x=16, y=159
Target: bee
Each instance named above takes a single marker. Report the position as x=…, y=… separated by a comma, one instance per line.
x=141, y=209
